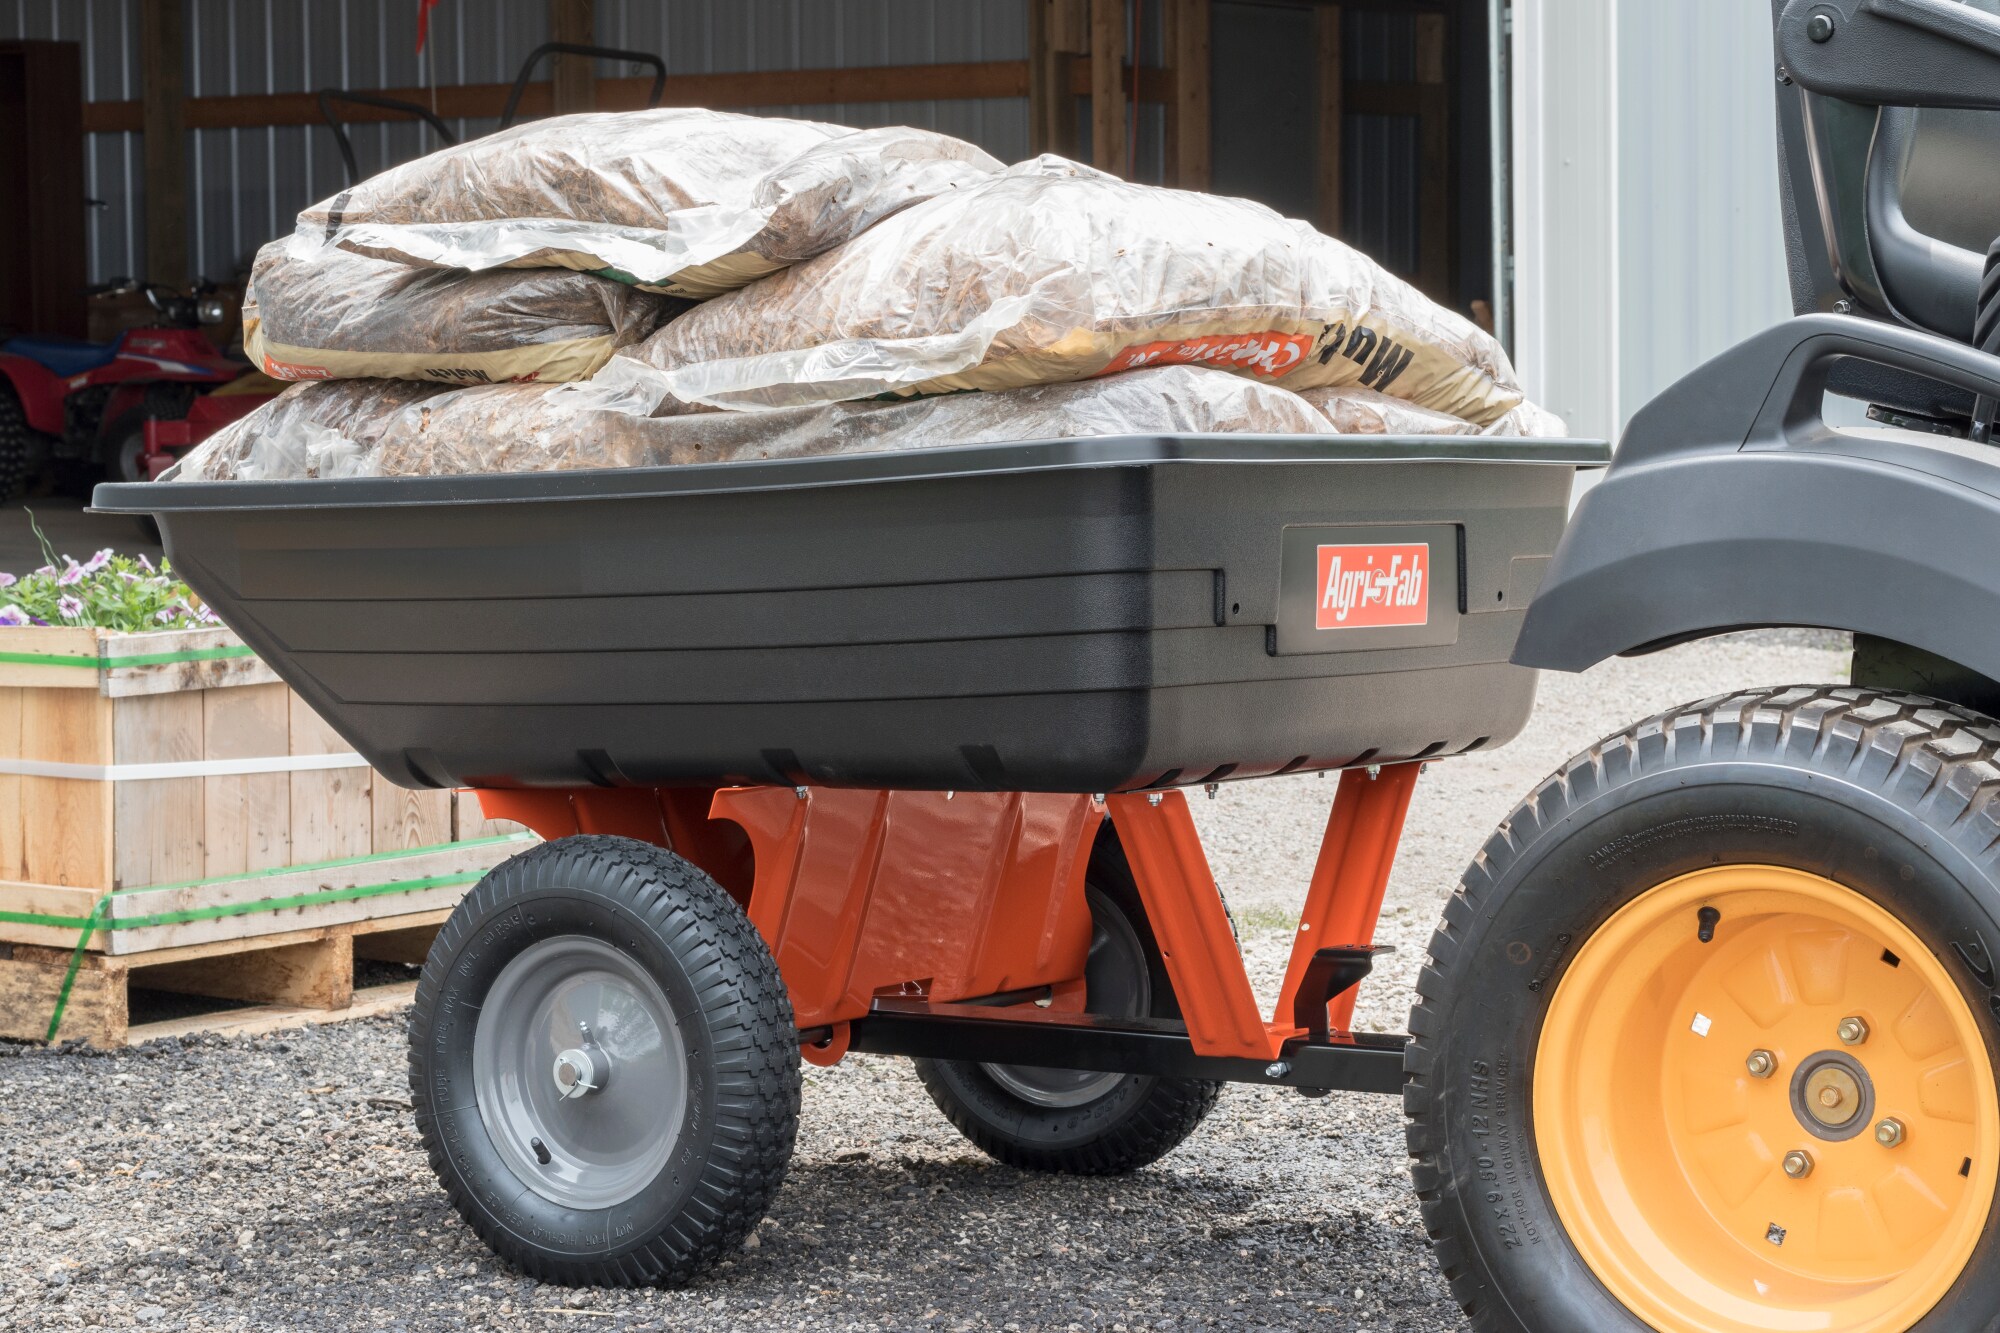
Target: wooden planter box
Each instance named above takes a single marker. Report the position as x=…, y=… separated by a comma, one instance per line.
x=166, y=792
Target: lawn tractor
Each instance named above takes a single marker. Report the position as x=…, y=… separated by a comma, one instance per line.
x=888, y=753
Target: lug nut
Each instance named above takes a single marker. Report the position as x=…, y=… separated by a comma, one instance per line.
x=1889, y=1133
x=1853, y=1031
x=1761, y=1064
x=1798, y=1164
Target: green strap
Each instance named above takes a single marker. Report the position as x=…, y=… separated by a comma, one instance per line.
x=138, y=659
x=97, y=920
x=100, y=915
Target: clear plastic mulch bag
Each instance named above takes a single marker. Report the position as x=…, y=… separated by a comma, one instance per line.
x=316, y=312
x=527, y=428
x=1050, y=272
x=325, y=429
x=1366, y=412
x=679, y=200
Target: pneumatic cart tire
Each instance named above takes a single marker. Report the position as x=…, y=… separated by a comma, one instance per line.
x=603, y=1063
x=1706, y=1040
x=1072, y=1121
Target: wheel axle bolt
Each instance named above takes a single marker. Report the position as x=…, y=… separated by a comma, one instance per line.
x=1853, y=1031
x=1761, y=1064
x=1889, y=1133
x=1798, y=1164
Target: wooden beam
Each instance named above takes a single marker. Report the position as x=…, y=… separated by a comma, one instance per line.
x=162, y=74
x=1188, y=114
x=1058, y=32
x=1434, y=213
x=1332, y=120
x=573, y=78
x=1107, y=87
x=883, y=83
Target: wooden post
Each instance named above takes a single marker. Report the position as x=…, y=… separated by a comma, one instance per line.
x=573, y=78
x=1058, y=33
x=162, y=73
x=1434, y=156
x=1107, y=87
x=1188, y=115
x=1332, y=119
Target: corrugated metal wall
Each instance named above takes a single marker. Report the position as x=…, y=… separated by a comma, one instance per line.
x=247, y=183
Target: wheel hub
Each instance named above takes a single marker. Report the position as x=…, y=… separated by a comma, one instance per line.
x=560, y=1121
x=1832, y=1096
x=1706, y=1194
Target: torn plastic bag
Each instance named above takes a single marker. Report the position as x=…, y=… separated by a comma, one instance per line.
x=1051, y=272
x=680, y=200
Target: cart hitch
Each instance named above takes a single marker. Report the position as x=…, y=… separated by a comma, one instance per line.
x=1331, y=974
x=1356, y=1062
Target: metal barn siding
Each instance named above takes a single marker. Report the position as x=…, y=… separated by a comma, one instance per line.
x=1647, y=235
x=1702, y=250
x=109, y=33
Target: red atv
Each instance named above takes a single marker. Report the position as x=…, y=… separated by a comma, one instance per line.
x=83, y=406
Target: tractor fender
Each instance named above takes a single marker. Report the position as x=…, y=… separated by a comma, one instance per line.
x=40, y=390
x=1730, y=504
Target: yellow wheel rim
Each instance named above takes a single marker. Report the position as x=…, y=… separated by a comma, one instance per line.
x=1667, y=1156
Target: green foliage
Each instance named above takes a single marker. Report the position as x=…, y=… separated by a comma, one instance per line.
x=115, y=592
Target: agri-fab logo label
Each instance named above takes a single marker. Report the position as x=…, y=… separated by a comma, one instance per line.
x=1366, y=587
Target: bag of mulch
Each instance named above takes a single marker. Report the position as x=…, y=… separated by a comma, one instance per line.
x=677, y=200
x=1366, y=412
x=1051, y=271
x=330, y=429
x=315, y=312
x=527, y=428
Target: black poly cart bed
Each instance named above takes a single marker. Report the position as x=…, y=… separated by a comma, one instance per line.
x=1072, y=615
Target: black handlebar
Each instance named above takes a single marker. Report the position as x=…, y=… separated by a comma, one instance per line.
x=546, y=49
x=328, y=96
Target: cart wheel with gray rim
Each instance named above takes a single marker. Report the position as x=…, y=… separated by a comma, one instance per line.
x=604, y=1064
x=1084, y=1122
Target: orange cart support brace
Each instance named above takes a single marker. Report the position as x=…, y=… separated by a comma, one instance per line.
x=954, y=924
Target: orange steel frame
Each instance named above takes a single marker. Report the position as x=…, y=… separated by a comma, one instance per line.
x=957, y=896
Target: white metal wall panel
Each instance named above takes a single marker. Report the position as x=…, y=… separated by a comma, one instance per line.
x=1702, y=252
x=1566, y=232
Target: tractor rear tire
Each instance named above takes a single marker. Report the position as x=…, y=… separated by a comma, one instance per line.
x=18, y=445
x=1706, y=1039
x=1073, y=1122
x=604, y=1065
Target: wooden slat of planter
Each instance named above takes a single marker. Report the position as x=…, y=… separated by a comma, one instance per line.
x=247, y=817
x=125, y=675
x=406, y=818
x=157, y=823
x=66, y=822
x=61, y=651
x=332, y=812
x=463, y=861
x=12, y=863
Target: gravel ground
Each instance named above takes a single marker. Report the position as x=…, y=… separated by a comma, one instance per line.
x=276, y=1183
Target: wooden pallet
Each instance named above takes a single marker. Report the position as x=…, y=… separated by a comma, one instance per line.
x=291, y=978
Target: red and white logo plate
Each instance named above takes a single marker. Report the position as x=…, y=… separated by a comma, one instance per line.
x=1372, y=586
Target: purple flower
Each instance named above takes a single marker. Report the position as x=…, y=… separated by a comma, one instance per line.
x=98, y=561
x=46, y=569
x=12, y=615
x=167, y=617
x=145, y=564
x=8, y=580
x=38, y=620
x=71, y=576
x=70, y=607
x=125, y=574
x=208, y=617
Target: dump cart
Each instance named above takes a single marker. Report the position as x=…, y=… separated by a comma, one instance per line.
x=889, y=753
